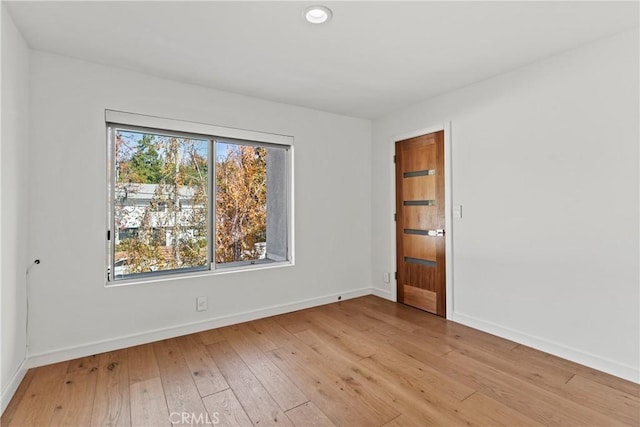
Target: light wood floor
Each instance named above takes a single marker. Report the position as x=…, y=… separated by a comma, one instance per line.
x=362, y=362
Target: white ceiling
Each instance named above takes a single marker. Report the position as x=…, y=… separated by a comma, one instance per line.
x=371, y=59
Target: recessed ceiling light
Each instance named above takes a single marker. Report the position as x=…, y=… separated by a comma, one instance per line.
x=317, y=14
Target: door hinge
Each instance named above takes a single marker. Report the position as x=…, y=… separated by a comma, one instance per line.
x=108, y=234
x=395, y=216
x=394, y=159
x=395, y=275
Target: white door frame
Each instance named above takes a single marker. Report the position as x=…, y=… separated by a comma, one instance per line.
x=448, y=200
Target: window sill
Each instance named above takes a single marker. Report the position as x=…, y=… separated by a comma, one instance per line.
x=204, y=273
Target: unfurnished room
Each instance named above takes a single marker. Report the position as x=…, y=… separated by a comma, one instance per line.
x=338, y=213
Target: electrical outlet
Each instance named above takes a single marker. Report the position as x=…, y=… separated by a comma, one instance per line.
x=202, y=304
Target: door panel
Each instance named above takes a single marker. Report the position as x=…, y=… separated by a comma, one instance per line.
x=416, y=297
x=419, y=247
x=420, y=188
x=419, y=217
x=423, y=158
x=420, y=222
x=418, y=272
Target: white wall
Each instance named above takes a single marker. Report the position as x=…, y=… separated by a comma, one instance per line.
x=69, y=303
x=13, y=224
x=545, y=164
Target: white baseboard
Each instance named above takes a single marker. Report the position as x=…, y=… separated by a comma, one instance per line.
x=69, y=353
x=13, y=385
x=628, y=372
x=382, y=293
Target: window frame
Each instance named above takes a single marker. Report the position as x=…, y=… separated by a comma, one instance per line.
x=117, y=120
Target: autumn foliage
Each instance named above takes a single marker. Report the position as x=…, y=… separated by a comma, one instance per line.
x=170, y=228
x=241, y=203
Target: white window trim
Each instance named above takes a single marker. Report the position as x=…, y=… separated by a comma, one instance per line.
x=196, y=274
x=114, y=117
x=182, y=126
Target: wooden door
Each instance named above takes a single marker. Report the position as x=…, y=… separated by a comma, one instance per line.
x=420, y=222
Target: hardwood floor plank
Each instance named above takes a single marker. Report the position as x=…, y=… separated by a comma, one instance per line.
x=37, y=405
x=529, y=355
x=267, y=334
x=421, y=400
x=430, y=323
x=74, y=403
x=614, y=403
x=377, y=318
x=460, y=337
x=259, y=405
x=277, y=384
x=315, y=338
x=403, y=420
x=411, y=368
x=530, y=400
x=552, y=377
x=565, y=384
x=344, y=312
x=338, y=382
x=325, y=389
x=83, y=363
x=148, y=404
x=179, y=389
x=342, y=334
x=418, y=399
x=488, y=412
x=111, y=402
x=211, y=336
x=413, y=347
x=142, y=363
x=225, y=408
x=293, y=322
x=308, y=415
x=204, y=371
x=317, y=341
x=16, y=400
x=259, y=334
